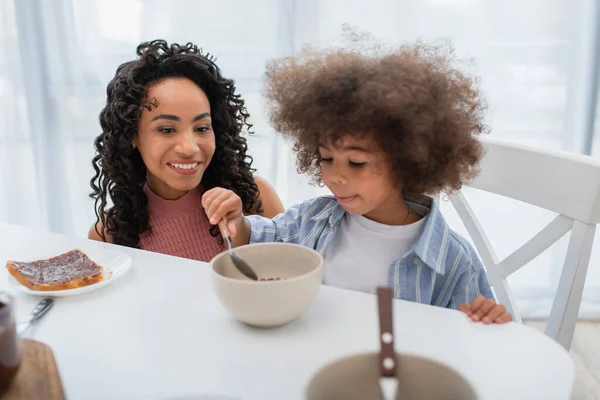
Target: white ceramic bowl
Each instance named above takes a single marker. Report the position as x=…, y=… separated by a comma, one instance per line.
x=357, y=378
x=269, y=303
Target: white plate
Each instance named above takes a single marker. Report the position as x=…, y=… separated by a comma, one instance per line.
x=115, y=264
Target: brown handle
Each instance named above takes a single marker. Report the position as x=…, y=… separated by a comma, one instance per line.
x=387, y=356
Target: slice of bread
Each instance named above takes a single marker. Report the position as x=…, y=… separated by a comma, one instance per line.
x=65, y=271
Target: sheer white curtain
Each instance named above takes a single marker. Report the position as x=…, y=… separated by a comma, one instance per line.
x=537, y=60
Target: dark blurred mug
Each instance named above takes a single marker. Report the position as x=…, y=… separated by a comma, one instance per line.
x=9, y=342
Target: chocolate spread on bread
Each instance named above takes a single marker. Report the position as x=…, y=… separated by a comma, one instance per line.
x=62, y=268
x=72, y=267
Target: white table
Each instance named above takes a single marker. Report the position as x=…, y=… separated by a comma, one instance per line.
x=159, y=332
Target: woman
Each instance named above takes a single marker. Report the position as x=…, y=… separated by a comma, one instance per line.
x=171, y=130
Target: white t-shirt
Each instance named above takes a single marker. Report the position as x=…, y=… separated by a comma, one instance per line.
x=361, y=252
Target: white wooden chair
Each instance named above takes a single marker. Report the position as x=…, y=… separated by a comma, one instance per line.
x=565, y=183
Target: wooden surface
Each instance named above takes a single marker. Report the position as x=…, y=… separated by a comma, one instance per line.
x=38, y=376
x=585, y=352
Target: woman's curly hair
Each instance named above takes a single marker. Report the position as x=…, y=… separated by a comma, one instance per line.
x=420, y=109
x=119, y=170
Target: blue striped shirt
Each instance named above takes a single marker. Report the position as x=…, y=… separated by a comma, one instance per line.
x=441, y=269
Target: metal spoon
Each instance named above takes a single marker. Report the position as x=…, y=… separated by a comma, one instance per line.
x=37, y=313
x=239, y=263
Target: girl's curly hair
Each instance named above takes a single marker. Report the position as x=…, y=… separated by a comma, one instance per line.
x=421, y=110
x=119, y=170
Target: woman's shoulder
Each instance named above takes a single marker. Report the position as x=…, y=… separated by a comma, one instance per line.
x=94, y=233
x=271, y=203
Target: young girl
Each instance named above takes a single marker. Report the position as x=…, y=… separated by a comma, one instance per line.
x=381, y=133
x=171, y=129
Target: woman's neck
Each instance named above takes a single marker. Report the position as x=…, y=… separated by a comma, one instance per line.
x=164, y=191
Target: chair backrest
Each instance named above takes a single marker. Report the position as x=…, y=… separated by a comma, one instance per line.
x=564, y=183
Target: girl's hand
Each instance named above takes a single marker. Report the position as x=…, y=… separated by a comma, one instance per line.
x=486, y=311
x=223, y=204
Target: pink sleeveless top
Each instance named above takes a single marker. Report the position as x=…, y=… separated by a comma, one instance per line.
x=180, y=227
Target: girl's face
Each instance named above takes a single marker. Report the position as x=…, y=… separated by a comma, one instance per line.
x=358, y=174
x=175, y=136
